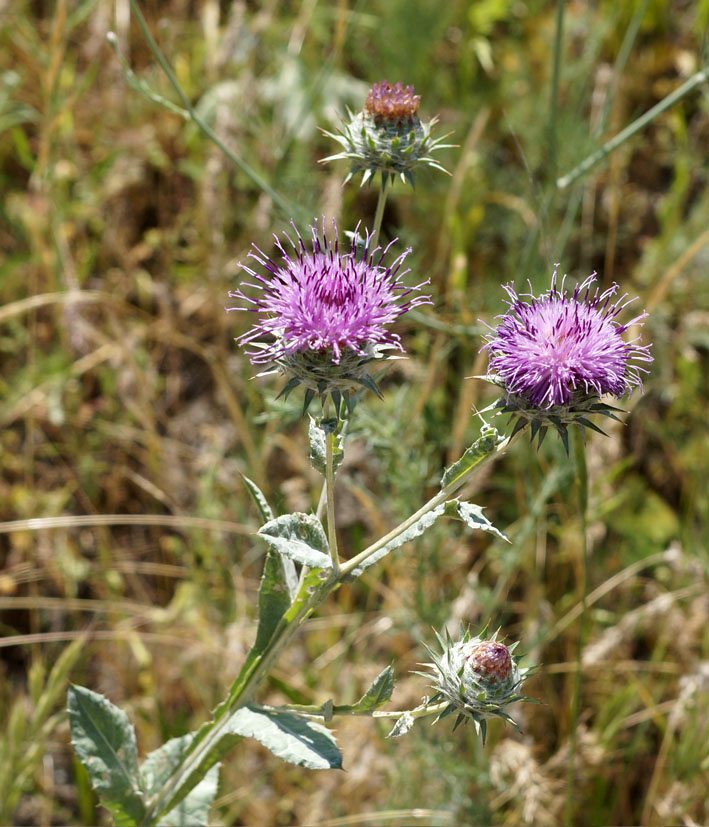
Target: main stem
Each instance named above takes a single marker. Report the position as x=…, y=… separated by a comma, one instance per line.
x=379, y=214
x=288, y=629
x=582, y=481
x=330, y=484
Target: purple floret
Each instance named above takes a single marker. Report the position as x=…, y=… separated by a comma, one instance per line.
x=325, y=301
x=549, y=347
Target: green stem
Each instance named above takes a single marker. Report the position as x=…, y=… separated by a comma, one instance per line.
x=286, y=206
x=639, y=123
x=379, y=214
x=441, y=497
x=316, y=711
x=288, y=627
x=330, y=483
x=582, y=479
x=554, y=101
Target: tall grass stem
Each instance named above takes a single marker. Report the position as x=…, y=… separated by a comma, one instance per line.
x=277, y=198
x=639, y=123
x=554, y=98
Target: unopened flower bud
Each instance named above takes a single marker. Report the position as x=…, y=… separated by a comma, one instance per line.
x=388, y=136
x=479, y=678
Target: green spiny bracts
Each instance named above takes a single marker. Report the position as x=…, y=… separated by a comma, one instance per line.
x=320, y=376
x=559, y=417
x=479, y=678
x=388, y=137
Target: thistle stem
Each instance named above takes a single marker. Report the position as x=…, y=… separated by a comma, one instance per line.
x=330, y=484
x=379, y=214
x=439, y=498
x=582, y=481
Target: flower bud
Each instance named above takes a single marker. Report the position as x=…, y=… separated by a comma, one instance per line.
x=479, y=678
x=387, y=136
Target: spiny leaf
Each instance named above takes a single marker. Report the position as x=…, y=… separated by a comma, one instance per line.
x=482, y=447
x=292, y=738
x=264, y=508
x=472, y=516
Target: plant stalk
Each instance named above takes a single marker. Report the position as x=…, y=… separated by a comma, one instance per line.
x=330, y=484
x=439, y=498
x=582, y=486
x=276, y=197
x=379, y=214
x=596, y=157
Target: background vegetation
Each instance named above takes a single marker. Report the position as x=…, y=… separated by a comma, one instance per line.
x=127, y=413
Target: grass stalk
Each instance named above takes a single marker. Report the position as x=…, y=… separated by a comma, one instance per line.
x=554, y=97
x=639, y=123
x=276, y=197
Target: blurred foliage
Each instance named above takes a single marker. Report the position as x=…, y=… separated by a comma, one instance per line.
x=128, y=413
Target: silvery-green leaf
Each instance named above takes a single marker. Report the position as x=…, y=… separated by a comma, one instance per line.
x=402, y=725
x=416, y=530
x=318, y=450
x=193, y=810
x=472, y=516
x=104, y=741
x=482, y=447
x=293, y=739
x=377, y=695
x=274, y=596
x=300, y=537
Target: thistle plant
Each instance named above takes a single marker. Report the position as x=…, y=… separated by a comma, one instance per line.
x=324, y=320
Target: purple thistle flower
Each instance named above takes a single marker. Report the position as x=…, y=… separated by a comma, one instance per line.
x=558, y=353
x=325, y=313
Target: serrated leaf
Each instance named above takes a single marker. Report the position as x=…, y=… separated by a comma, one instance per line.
x=377, y=695
x=477, y=452
x=264, y=509
x=218, y=731
x=193, y=810
x=472, y=515
x=300, y=537
x=402, y=725
x=104, y=741
x=416, y=530
x=318, y=447
x=274, y=596
x=292, y=738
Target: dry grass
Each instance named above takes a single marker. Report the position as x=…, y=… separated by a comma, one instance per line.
x=128, y=415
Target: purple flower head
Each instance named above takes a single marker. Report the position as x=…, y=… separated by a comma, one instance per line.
x=556, y=354
x=324, y=314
